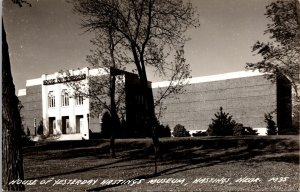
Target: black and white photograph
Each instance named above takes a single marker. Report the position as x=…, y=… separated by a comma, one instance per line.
x=150, y=95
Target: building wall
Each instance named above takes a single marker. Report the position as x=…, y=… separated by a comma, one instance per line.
x=137, y=106
x=78, y=115
x=246, y=98
x=32, y=103
x=284, y=106
x=97, y=110
x=245, y=95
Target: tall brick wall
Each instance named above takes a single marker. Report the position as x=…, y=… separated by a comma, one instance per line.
x=32, y=103
x=284, y=105
x=247, y=99
x=94, y=125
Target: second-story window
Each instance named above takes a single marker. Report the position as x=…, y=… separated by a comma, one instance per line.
x=51, y=99
x=79, y=100
x=139, y=99
x=64, y=98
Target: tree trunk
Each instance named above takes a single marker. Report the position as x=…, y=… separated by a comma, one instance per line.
x=114, y=115
x=115, y=121
x=12, y=160
x=150, y=119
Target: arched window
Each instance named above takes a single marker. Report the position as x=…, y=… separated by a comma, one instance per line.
x=64, y=98
x=79, y=100
x=51, y=99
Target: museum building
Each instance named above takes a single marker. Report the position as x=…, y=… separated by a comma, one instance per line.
x=245, y=95
x=50, y=101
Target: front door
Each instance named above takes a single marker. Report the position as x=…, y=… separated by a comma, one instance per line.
x=65, y=125
x=79, y=123
x=52, y=125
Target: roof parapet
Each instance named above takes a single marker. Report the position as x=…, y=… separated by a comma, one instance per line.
x=21, y=92
x=210, y=78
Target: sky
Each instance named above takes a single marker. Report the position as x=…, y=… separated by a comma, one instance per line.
x=47, y=37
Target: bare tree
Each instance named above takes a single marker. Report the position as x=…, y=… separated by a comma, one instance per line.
x=108, y=83
x=151, y=30
x=12, y=157
x=177, y=80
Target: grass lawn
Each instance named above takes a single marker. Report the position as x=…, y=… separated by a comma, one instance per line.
x=187, y=164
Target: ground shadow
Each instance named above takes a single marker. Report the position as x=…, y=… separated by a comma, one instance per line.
x=190, y=153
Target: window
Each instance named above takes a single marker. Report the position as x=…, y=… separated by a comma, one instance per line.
x=79, y=100
x=64, y=98
x=139, y=99
x=51, y=99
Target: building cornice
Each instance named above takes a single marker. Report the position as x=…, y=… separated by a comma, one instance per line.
x=33, y=82
x=21, y=92
x=211, y=78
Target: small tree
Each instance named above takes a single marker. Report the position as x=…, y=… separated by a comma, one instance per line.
x=106, y=124
x=180, y=131
x=271, y=125
x=221, y=126
x=40, y=129
x=163, y=131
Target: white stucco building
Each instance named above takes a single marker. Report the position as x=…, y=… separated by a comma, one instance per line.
x=49, y=99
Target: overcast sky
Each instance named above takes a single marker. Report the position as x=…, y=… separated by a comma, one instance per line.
x=46, y=37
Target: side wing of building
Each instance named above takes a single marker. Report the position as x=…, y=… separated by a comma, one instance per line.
x=32, y=114
x=246, y=96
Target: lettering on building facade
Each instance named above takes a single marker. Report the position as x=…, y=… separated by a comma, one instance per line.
x=64, y=79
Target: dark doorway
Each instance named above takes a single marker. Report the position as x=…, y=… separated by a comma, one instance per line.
x=79, y=123
x=65, y=124
x=52, y=125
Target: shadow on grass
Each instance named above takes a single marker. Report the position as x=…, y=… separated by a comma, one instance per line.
x=92, y=168
x=191, y=153
x=205, y=153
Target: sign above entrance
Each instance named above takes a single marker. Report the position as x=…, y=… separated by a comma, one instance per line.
x=64, y=79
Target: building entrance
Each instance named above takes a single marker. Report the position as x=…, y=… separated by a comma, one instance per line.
x=52, y=125
x=65, y=125
x=79, y=123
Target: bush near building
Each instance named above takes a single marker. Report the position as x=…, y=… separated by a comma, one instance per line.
x=199, y=134
x=163, y=131
x=271, y=125
x=240, y=130
x=40, y=129
x=224, y=125
x=180, y=131
x=106, y=124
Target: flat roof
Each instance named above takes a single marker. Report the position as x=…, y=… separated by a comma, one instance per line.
x=160, y=84
x=21, y=92
x=210, y=78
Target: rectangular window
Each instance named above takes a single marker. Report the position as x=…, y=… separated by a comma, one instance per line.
x=139, y=99
x=64, y=98
x=51, y=99
x=79, y=100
